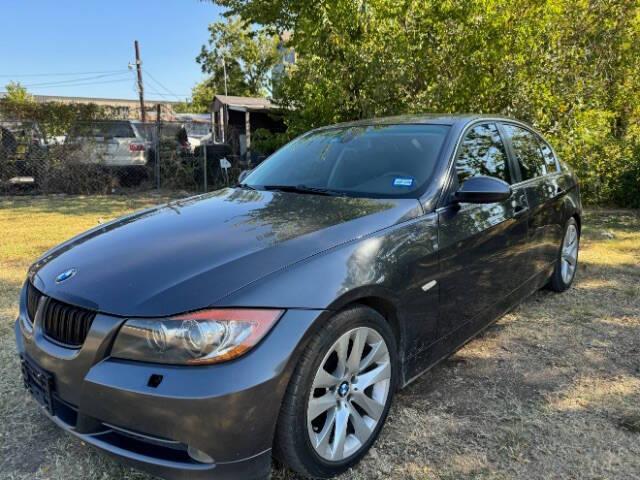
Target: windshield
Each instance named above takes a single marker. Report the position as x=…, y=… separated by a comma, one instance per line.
x=384, y=160
x=197, y=129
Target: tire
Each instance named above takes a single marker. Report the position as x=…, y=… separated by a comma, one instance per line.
x=293, y=441
x=566, y=266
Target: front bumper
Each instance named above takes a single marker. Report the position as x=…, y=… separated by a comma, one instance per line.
x=228, y=411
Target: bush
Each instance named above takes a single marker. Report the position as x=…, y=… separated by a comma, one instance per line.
x=177, y=170
x=64, y=171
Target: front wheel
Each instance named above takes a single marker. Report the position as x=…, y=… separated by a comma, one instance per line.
x=339, y=395
x=567, y=261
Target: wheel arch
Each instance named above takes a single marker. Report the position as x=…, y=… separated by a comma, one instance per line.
x=383, y=302
x=578, y=219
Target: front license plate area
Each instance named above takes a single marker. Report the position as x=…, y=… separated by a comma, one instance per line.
x=38, y=382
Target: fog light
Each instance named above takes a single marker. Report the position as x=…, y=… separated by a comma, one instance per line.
x=199, y=455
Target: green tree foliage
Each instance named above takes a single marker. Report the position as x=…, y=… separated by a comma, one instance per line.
x=570, y=67
x=248, y=56
x=17, y=94
x=201, y=97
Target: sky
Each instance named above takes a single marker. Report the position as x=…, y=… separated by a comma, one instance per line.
x=87, y=44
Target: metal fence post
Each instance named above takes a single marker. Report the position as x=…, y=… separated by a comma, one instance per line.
x=206, y=171
x=157, y=142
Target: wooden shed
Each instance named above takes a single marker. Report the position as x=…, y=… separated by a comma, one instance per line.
x=236, y=118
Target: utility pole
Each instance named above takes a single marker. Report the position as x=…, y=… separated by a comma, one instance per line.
x=224, y=68
x=143, y=115
x=223, y=62
x=157, y=145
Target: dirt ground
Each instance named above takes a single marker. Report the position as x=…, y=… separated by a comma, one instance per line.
x=552, y=390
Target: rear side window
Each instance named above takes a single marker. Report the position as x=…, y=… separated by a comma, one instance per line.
x=482, y=152
x=527, y=151
x=549, y=157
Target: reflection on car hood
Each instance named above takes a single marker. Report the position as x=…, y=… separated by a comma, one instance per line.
x=190, y=253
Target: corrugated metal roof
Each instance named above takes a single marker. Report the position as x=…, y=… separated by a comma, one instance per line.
x=252, y=103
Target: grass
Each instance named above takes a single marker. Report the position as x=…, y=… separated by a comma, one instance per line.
x=552, y=390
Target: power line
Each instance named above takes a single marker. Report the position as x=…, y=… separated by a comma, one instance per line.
x=68, y=74
x=88, y=83
x=162, y=86
x=164, y=95
x=75, y=80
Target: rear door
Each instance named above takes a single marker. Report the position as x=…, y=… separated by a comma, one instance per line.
x=540, y=178
x=481, y=245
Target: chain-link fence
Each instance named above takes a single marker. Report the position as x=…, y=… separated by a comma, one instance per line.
x=116, y=156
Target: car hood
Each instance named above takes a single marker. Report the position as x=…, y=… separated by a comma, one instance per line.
x=191, y=253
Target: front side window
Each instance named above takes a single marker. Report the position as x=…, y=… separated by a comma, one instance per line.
x=383, y=160
x=527, y=152
x=482, y=152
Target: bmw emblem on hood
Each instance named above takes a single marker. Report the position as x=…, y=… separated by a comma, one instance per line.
x=66, y=275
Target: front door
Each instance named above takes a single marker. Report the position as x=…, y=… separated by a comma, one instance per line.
x=482, y=246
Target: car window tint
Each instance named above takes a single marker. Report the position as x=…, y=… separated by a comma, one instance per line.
x=549, y=157
x=527, y=152
x=482, y=152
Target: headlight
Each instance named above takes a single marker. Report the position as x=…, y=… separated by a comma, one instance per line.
x=204, y=337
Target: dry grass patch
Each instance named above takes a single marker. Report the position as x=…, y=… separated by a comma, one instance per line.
x=552, y=390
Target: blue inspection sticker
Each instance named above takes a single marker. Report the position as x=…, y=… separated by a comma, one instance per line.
x=406, y=182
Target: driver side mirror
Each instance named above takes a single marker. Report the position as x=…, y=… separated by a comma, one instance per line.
x=483, y=190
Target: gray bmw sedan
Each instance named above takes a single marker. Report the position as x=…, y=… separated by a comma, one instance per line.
x=277, y=318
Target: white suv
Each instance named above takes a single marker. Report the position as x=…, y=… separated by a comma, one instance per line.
x=118, y=143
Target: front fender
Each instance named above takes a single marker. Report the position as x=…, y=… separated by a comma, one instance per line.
x=391, y=263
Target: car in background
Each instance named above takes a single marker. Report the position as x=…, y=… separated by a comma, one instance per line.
x=23, y=149
x=197, y=133
x=120, y=145
x=197, y=126
x=111, y=143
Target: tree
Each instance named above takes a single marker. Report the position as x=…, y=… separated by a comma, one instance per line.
x=248, y=56
x=201, y=97
x=17, y=103
x=570, y=67
x=54, y=118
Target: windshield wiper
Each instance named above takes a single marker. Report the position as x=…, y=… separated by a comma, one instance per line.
x=246, y=186
x=304, y=189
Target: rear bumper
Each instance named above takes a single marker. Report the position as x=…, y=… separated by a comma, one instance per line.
x=228, y=411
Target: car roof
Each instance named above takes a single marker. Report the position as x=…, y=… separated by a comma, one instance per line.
x=426, y=119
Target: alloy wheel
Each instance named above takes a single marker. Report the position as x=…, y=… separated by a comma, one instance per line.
x=569, y=256
x=349, y=394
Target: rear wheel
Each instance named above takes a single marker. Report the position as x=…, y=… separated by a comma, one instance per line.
x=567, y=262
x=339, y=395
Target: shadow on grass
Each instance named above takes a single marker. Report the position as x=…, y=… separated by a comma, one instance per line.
x=86, y=204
